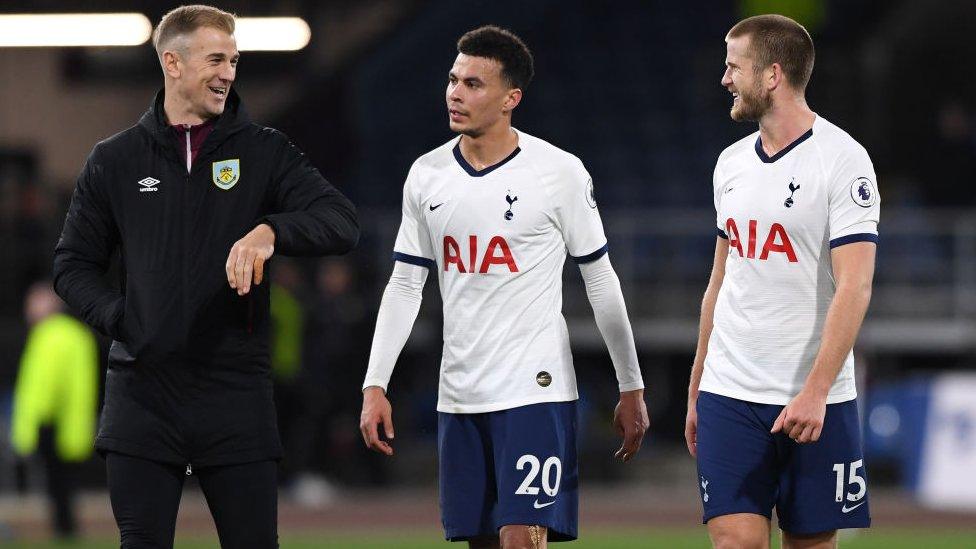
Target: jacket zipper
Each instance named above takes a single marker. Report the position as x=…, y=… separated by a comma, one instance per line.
x=189, y=151
x=186, y=189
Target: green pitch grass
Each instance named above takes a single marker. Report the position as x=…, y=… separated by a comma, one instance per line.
x=593, y=539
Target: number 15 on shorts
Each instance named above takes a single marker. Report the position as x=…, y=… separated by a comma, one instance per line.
x=853, y=479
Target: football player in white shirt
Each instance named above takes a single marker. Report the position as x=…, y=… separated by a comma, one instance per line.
x=494, y=212
x=771, y=413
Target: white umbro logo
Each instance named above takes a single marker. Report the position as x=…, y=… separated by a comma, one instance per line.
x=148, y=185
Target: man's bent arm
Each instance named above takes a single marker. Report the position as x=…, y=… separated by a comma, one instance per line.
x=398, y=311
x=853, y=266
x=311, y=216
x=82, y=256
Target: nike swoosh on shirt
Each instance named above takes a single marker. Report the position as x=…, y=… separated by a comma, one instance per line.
x=433, y=207
x=845, y=509
x=730, y=189
x=538, y=505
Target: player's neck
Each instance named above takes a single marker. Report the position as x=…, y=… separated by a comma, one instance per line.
x=490, y=147
x=785, y=123
x=180, y=112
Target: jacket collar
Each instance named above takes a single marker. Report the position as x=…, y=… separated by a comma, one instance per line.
x=233, y=120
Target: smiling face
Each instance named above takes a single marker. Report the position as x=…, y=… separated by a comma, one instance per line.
x=200, y=69
x=750, y=98
x=478, y=96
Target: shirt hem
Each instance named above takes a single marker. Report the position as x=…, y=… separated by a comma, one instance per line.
x=779, y=400
x=455, y=408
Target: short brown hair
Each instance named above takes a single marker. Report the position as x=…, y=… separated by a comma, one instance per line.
x=779, y=39
x=186, y=19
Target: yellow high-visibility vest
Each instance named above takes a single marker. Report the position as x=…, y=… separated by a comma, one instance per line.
x=287, y=325
x=57, y=386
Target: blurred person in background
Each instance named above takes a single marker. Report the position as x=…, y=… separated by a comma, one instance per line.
x=772, y=416
x=320, y=446
x=954, y=144
x=198, y=198
x=287, y=339
x=495, y=212
x=56, y=399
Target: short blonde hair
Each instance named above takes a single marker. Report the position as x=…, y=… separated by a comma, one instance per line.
x=186, y=19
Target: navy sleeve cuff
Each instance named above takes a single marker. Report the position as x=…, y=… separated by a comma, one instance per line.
x=415, y=260
x=589, y=258
x=851, y=238
x=721, y=234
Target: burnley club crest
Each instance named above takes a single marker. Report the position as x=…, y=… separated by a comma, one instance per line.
x=226, y=173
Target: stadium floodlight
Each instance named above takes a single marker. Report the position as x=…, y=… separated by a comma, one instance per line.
x=73, y=29
x=271, y=33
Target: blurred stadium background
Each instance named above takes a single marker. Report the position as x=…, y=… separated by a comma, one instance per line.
x=632, y=87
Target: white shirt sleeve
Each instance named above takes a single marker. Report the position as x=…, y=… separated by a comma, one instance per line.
x=413, y=239
x=610, y=312
x=718, y=189
x=398, y=311
x=577, y=216
x=854, y=201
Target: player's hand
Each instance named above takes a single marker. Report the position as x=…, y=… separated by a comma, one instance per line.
x=691, y=427
x=247, y=257
x=630, y=421
x=802, y=419
x=376, y=411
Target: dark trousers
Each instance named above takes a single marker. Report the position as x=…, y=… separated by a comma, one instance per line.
x=145, y=494
x=60, y=486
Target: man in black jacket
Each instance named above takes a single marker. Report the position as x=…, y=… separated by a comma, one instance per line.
x=197, y=198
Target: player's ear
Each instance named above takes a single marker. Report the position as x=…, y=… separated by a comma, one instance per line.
x=170, y=63
x=773, y=76
x=512, y=99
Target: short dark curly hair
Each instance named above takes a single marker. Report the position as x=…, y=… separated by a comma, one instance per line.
x=504, y=46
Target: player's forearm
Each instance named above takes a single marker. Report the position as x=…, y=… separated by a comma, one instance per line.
x=704, y=334
x=706, y=319
x=844, y=318
x=610, y=312
x=327, y=225
x=705, y=324
x=398, y=311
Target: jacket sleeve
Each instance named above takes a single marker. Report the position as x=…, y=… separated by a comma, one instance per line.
x=84, y=252
x=310, y=216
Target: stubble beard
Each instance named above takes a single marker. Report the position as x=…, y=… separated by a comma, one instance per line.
x=752, y=106
x=470, y=131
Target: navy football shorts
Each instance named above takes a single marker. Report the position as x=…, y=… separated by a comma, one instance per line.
x=515, y=466
x=743, y=468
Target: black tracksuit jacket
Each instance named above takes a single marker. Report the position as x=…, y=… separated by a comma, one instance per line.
x=188, y=378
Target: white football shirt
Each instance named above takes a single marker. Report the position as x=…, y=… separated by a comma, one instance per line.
x=782, y=215
x=498, y=239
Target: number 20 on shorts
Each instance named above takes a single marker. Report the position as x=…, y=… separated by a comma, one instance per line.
x=549, y=485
